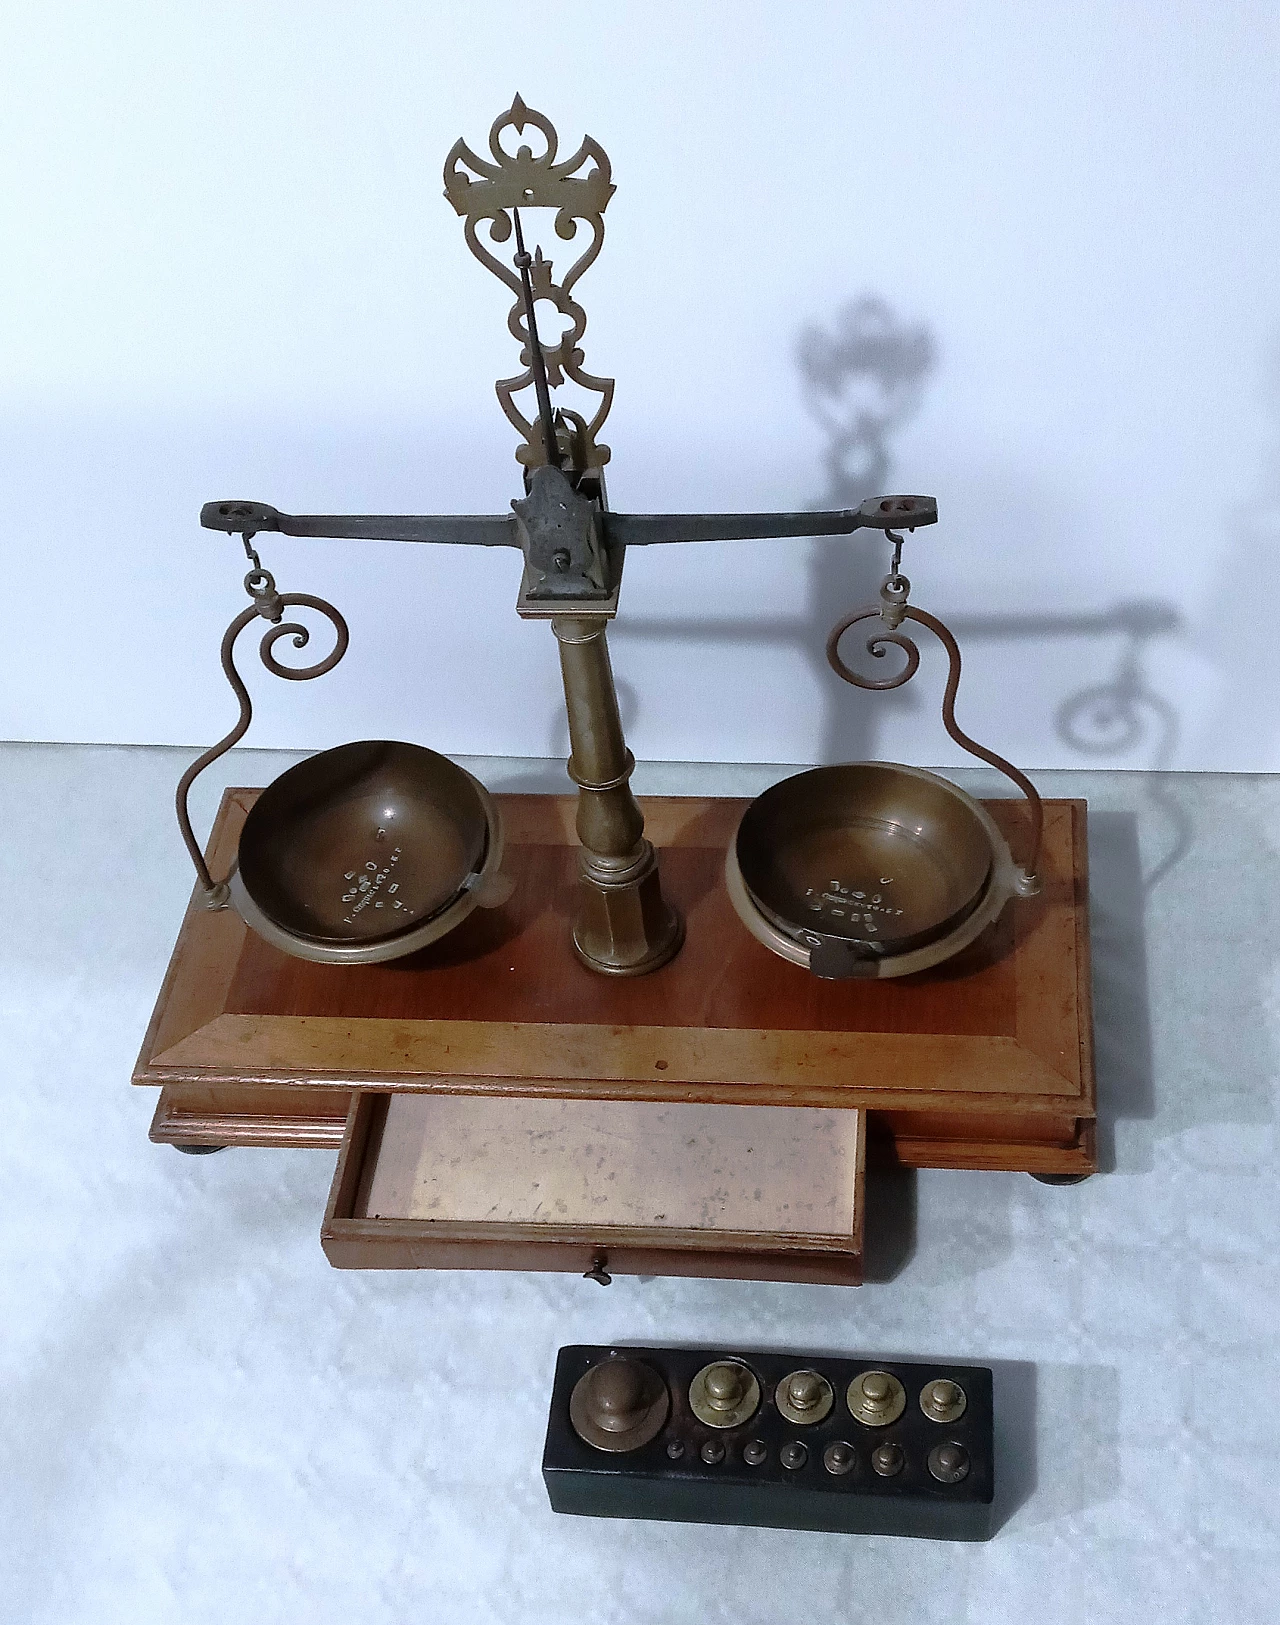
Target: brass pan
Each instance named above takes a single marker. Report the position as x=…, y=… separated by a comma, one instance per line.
x=363, y=853
x=367, y=852
x=872, y=868
x=867, y=869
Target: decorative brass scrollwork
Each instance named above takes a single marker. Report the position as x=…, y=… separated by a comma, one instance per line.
x=488, y=195
x=270, y=605
x=891, y=611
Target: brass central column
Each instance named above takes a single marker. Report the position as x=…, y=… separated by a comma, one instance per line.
x=623, y=926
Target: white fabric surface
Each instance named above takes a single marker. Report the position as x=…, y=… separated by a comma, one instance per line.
x=203, y=1422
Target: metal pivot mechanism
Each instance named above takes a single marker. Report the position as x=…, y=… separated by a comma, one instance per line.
x=573, y=547
x=270, y=605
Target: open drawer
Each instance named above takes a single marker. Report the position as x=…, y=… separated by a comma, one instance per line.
x=769, y=1193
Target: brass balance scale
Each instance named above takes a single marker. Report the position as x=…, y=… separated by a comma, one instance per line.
x=536, y=1045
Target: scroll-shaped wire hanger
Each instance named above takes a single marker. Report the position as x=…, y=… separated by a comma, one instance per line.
x=270, y=605
x=892, y=610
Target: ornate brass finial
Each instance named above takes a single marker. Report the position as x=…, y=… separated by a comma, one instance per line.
x=490, y=193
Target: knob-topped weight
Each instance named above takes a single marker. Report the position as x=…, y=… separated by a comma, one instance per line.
x=618, y=1405
x=804, y=1397
x=942, y=1400
x=724, y=1394
x=876, y=1398
x=949, y=1463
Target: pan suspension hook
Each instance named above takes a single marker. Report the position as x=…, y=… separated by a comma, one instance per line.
x=269, y=604
x=894, y=589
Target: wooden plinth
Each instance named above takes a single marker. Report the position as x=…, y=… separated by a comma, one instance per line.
x=984, y=1062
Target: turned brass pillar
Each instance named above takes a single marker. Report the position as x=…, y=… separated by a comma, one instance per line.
x=623, y=925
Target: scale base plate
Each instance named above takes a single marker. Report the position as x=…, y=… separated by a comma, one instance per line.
x=985, y=1061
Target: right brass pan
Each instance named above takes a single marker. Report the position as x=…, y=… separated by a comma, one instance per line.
x=887, y=857
x=867, y=869
x=871, y=868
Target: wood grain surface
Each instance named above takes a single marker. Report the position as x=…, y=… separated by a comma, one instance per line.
x=999, y=1037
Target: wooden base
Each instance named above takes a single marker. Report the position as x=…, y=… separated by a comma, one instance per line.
x=984, y=1062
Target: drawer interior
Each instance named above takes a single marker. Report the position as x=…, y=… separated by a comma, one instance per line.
x=430, y=1180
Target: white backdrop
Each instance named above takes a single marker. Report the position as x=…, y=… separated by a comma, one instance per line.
x=1034, y=247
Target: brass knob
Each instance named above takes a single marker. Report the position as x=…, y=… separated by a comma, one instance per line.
x=804, y=1390
x=618, y=1405
x=943, y=1401
x=793, y=1455
x=725, y=1384
x=724, y=1394
x=616, y=1395
x=887, y=1459
x=876, y=1398
x=949, y=1463
x=804, y=1397
x=839, y=1458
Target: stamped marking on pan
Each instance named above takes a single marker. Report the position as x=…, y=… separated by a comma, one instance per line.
x=841, y=902
x=364, y=887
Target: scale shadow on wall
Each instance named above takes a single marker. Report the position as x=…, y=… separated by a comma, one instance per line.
x=863, y=379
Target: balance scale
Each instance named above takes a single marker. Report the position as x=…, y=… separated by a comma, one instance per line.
x=600, y=1033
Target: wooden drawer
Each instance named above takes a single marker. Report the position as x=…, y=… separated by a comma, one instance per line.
x=630, y=1187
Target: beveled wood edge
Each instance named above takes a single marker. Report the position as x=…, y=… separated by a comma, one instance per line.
x=990, y=1156
x=327, y=1051
x=173, y=1126
x=1057, y=1049
x=216, y=948
x=831, y=1097
x=170, y=1125
x=545, y=815
x=366, y=1118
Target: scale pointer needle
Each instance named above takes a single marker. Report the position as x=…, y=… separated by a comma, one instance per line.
x=538, y=363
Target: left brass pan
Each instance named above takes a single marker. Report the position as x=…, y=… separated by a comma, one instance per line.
x=363, y=853
x=368, y=852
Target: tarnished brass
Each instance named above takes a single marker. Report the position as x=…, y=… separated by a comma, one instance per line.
x=804, y=1397
x=876, y=1398
x=525, y=180
x=873, y=869
x=880, y=857
x=839, y=1458
x=724, y=1394
x=623, y=926
x=619, y=1405
x=573, y=546
x=356, y=855
x=367, y=852
x=949, y=1463
x=888, y=1460
x=943, y=1401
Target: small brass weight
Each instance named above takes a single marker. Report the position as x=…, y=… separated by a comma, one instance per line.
x=573, y=549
